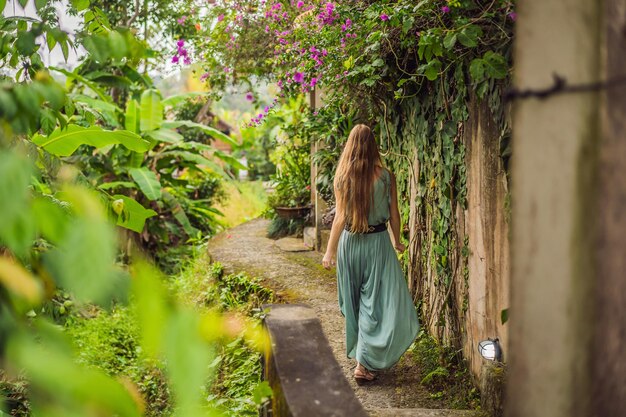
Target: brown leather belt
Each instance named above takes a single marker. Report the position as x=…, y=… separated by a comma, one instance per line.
x=376, y=228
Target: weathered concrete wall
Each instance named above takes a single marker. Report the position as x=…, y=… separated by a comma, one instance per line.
x=471, y=307
x=608, y=350
x=568, y=311
x=487, y=231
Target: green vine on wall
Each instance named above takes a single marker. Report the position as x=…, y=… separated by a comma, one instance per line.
x=423, y=143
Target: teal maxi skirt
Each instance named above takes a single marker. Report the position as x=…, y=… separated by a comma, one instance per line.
x=381, y=320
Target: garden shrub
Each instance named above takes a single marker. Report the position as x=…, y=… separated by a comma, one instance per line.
x=110, y=342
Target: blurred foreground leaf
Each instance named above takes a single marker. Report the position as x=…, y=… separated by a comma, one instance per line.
x=60, y=387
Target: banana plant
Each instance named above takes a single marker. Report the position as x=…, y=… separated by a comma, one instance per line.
x=146, y=118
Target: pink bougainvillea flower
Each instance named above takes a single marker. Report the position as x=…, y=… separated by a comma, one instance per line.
x=180, y=43
x=300, y=4
x=513, y=16
x=220, y=18
x=226, y=69
x=175, y=59
x=298, y=77
x=249, y=96
x=266, y=109
x=384, y=17
x=187, y=60
x=313, y=81
x=181, y=20
x=445, y=9
x=204, y=76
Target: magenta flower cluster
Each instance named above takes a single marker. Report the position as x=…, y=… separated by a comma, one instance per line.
x=181, y=53
x=307, y=60
x=327, y=15
x=259, y=118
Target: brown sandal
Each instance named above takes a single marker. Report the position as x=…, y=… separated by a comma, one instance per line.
x=362, y=375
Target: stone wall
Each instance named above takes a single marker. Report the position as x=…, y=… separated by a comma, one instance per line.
x=487, y=231
x=469, y=309
x=568, y=303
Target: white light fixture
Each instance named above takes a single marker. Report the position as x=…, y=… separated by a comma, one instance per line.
x=490, y=349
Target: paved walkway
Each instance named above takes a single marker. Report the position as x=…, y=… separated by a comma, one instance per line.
x=299, y=277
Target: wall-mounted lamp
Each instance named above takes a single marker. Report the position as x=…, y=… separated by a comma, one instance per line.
x=490, y=349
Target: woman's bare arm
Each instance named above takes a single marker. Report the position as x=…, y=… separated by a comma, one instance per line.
x=335, y=232
x=394, y=216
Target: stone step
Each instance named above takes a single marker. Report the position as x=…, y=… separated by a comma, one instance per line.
x=422, y=412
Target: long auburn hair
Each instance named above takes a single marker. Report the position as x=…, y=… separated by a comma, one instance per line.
x=355, y=176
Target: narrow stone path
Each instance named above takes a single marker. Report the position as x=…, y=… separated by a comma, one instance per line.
x=299, y=277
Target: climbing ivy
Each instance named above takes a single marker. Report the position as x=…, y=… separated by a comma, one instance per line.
x=422, y=140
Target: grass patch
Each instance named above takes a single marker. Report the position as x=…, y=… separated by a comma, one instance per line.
x=109, y=341
x=443, y=373
x=13, y=396
x=238, y=385
x=245, y=201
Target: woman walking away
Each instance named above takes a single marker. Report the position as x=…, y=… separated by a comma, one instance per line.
x=381, y=321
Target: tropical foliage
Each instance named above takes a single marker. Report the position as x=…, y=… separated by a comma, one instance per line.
x=86, y=165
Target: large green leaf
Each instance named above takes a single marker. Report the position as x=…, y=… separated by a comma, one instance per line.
x=55, y=377
x=17, y=227
x=211, y=131
x=150, y=306
x=477, y=69
x=203, y=148
x=165, y=135
x=109, y=111
x=132, y=116
x=93, y=86
x=178, y=98
x=63, y=142
x=116, y=184
x=52, y=218
x=83, y=259
x=96, y=104
x=195, y=159
x=495, y=65
x=230, y=160
x=179, y=213
x=147, y=181
x=188, y=359
x=151, y=111
x=133, y=215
